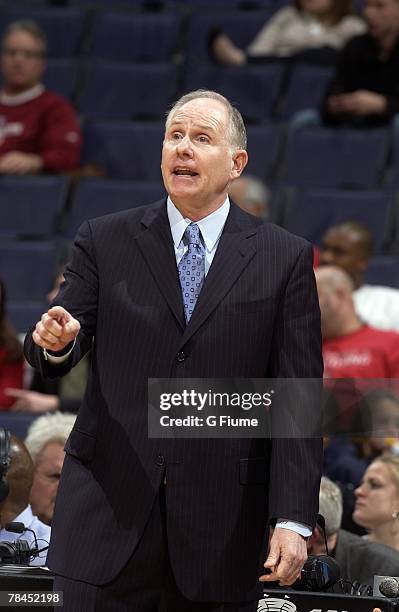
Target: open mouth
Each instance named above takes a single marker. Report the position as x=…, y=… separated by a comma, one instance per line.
x=184, y=172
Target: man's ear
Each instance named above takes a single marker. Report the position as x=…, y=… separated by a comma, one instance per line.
x=240, y=160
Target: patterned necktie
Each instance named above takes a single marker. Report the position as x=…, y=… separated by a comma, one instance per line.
x=192, y=269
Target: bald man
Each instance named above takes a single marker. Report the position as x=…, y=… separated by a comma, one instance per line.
x=349, y=245
x=16, y=505
x=252, y=195
x=351, y=349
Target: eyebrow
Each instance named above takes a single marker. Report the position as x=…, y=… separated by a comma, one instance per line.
x=197, y=126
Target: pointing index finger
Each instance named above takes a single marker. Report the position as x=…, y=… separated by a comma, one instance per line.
x=59, y=314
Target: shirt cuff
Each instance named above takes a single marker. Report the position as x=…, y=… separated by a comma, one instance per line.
x=303, y=530
x=58, y=358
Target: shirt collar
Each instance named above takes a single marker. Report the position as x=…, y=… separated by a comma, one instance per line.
x=25, y=96
x=211, y=226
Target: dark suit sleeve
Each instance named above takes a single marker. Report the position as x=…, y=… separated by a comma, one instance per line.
x=296, y=461
x=78, y=295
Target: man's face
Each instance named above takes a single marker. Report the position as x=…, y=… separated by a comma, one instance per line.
x=341, y=247
x=22, y=61
x=197, y=161
x=382, y=17
x=45, y=481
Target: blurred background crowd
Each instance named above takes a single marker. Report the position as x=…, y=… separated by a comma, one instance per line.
x=84, y=87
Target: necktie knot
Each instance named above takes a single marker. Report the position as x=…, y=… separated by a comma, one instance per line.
x=192, y=235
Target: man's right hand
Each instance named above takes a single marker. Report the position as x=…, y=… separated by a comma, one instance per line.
x=56, y=329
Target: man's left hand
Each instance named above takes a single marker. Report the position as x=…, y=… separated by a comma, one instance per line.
x=287, y=554
x=17, y=162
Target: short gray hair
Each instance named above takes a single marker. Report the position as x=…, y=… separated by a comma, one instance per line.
x=330, y=505
x=52, y=427
x=237, y=131
x=31, y=27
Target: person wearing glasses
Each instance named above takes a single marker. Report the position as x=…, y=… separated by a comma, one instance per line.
x=39, y=130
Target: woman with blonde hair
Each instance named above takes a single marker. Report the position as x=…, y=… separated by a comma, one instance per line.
x=377, y=501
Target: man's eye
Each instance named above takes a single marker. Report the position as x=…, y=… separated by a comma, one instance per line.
x=203, y=138
x=176, y=136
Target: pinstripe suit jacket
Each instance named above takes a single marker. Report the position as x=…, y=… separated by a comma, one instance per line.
x=257, y=316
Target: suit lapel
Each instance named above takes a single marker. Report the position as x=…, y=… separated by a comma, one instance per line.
x=235, y=250
x=156, y=245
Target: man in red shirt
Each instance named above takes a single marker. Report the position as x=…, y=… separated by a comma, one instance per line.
x=39, y=131
x=351, y=349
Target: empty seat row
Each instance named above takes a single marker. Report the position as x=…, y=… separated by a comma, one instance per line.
x=310, y=157
x=38, y=208
x=275, y=90
x=310, y=212
x=119, y=90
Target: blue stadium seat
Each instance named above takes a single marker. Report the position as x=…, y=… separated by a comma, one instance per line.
x=383, y=270
x=264, y=143
x=16, y=422
x=306, y=88
x=134, y=37
x=313, y=211
x=64, y=27
x=27, y=269
x=125, y=149
x=240, y=26
x=126, y=91
x=31, y=205
x=253, y=89
x=97, y=197
x=392, y=175
x=61, y=76
x=23, y=314
x=344, y=158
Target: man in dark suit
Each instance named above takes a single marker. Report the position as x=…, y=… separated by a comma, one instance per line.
x=181, y=525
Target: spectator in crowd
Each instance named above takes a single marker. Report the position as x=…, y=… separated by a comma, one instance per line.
x=307, y=24
x=252, y=195
x=39, y=131
x=349, y=245
x=351, y=349
x=45, y=441
x=11, y=355
x=16, y=506
x=358, y=559
x=365, y=89
x=51, y=395
x=377, y=502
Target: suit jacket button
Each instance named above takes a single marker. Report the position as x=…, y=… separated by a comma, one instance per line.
x=160, y=460
x=181, y=356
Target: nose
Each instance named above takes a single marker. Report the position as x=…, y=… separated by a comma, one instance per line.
x=184, y=148
x=359, y=491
